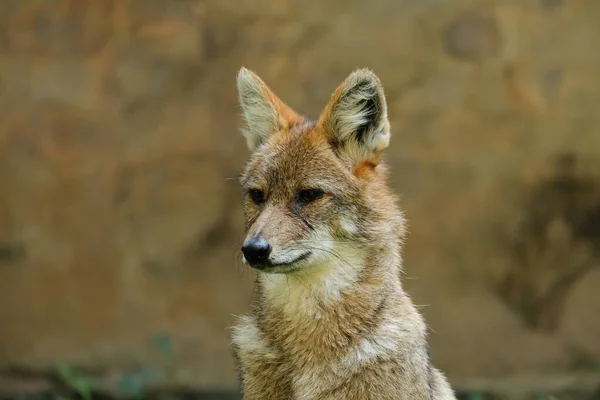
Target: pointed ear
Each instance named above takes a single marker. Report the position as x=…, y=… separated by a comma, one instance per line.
x=264, y=113
x=355, y=119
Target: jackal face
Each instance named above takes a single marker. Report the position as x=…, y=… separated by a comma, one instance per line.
x=309, y=186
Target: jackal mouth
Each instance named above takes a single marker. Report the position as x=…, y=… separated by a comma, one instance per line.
x=281, y=267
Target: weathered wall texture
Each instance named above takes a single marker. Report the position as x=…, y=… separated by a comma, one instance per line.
x=120, y=223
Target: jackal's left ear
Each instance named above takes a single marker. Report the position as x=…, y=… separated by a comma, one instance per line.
x=264, y=113
x=356, y=117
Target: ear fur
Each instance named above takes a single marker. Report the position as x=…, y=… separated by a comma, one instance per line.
x=264, y=113
x=355, y=119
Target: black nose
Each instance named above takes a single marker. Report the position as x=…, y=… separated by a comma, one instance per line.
x=256, y=250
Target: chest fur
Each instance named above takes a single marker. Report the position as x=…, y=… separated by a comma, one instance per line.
x=320, y=356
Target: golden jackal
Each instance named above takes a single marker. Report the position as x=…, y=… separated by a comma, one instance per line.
x=330, y=318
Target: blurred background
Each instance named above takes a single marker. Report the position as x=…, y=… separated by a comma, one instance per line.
x=120, y=213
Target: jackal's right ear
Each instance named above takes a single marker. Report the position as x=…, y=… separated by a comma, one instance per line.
x=355, y=120
x=264, y=113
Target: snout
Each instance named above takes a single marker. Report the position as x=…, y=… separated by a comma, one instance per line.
x=256, y=251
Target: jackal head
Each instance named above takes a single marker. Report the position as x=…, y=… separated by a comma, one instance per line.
x=312, y=187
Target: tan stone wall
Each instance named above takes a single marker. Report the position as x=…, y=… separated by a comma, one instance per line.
x=120, y=217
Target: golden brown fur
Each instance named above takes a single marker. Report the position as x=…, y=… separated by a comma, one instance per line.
x=330, y=319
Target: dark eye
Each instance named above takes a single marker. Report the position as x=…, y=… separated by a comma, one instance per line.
x=257, y=196
x=309, y=195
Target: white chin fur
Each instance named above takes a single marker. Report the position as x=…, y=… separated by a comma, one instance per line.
x=331, y=268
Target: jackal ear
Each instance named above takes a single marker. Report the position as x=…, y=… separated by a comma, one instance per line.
x=355, y=119
x=264, y=113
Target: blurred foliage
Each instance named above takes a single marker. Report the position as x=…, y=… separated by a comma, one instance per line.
x=82, y=384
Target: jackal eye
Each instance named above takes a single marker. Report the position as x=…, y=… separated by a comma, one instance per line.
x=309, y=195
x=257, y=196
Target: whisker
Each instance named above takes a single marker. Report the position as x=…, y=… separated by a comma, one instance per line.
x=334, y=241
x=332, y=253
x=240, y=266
